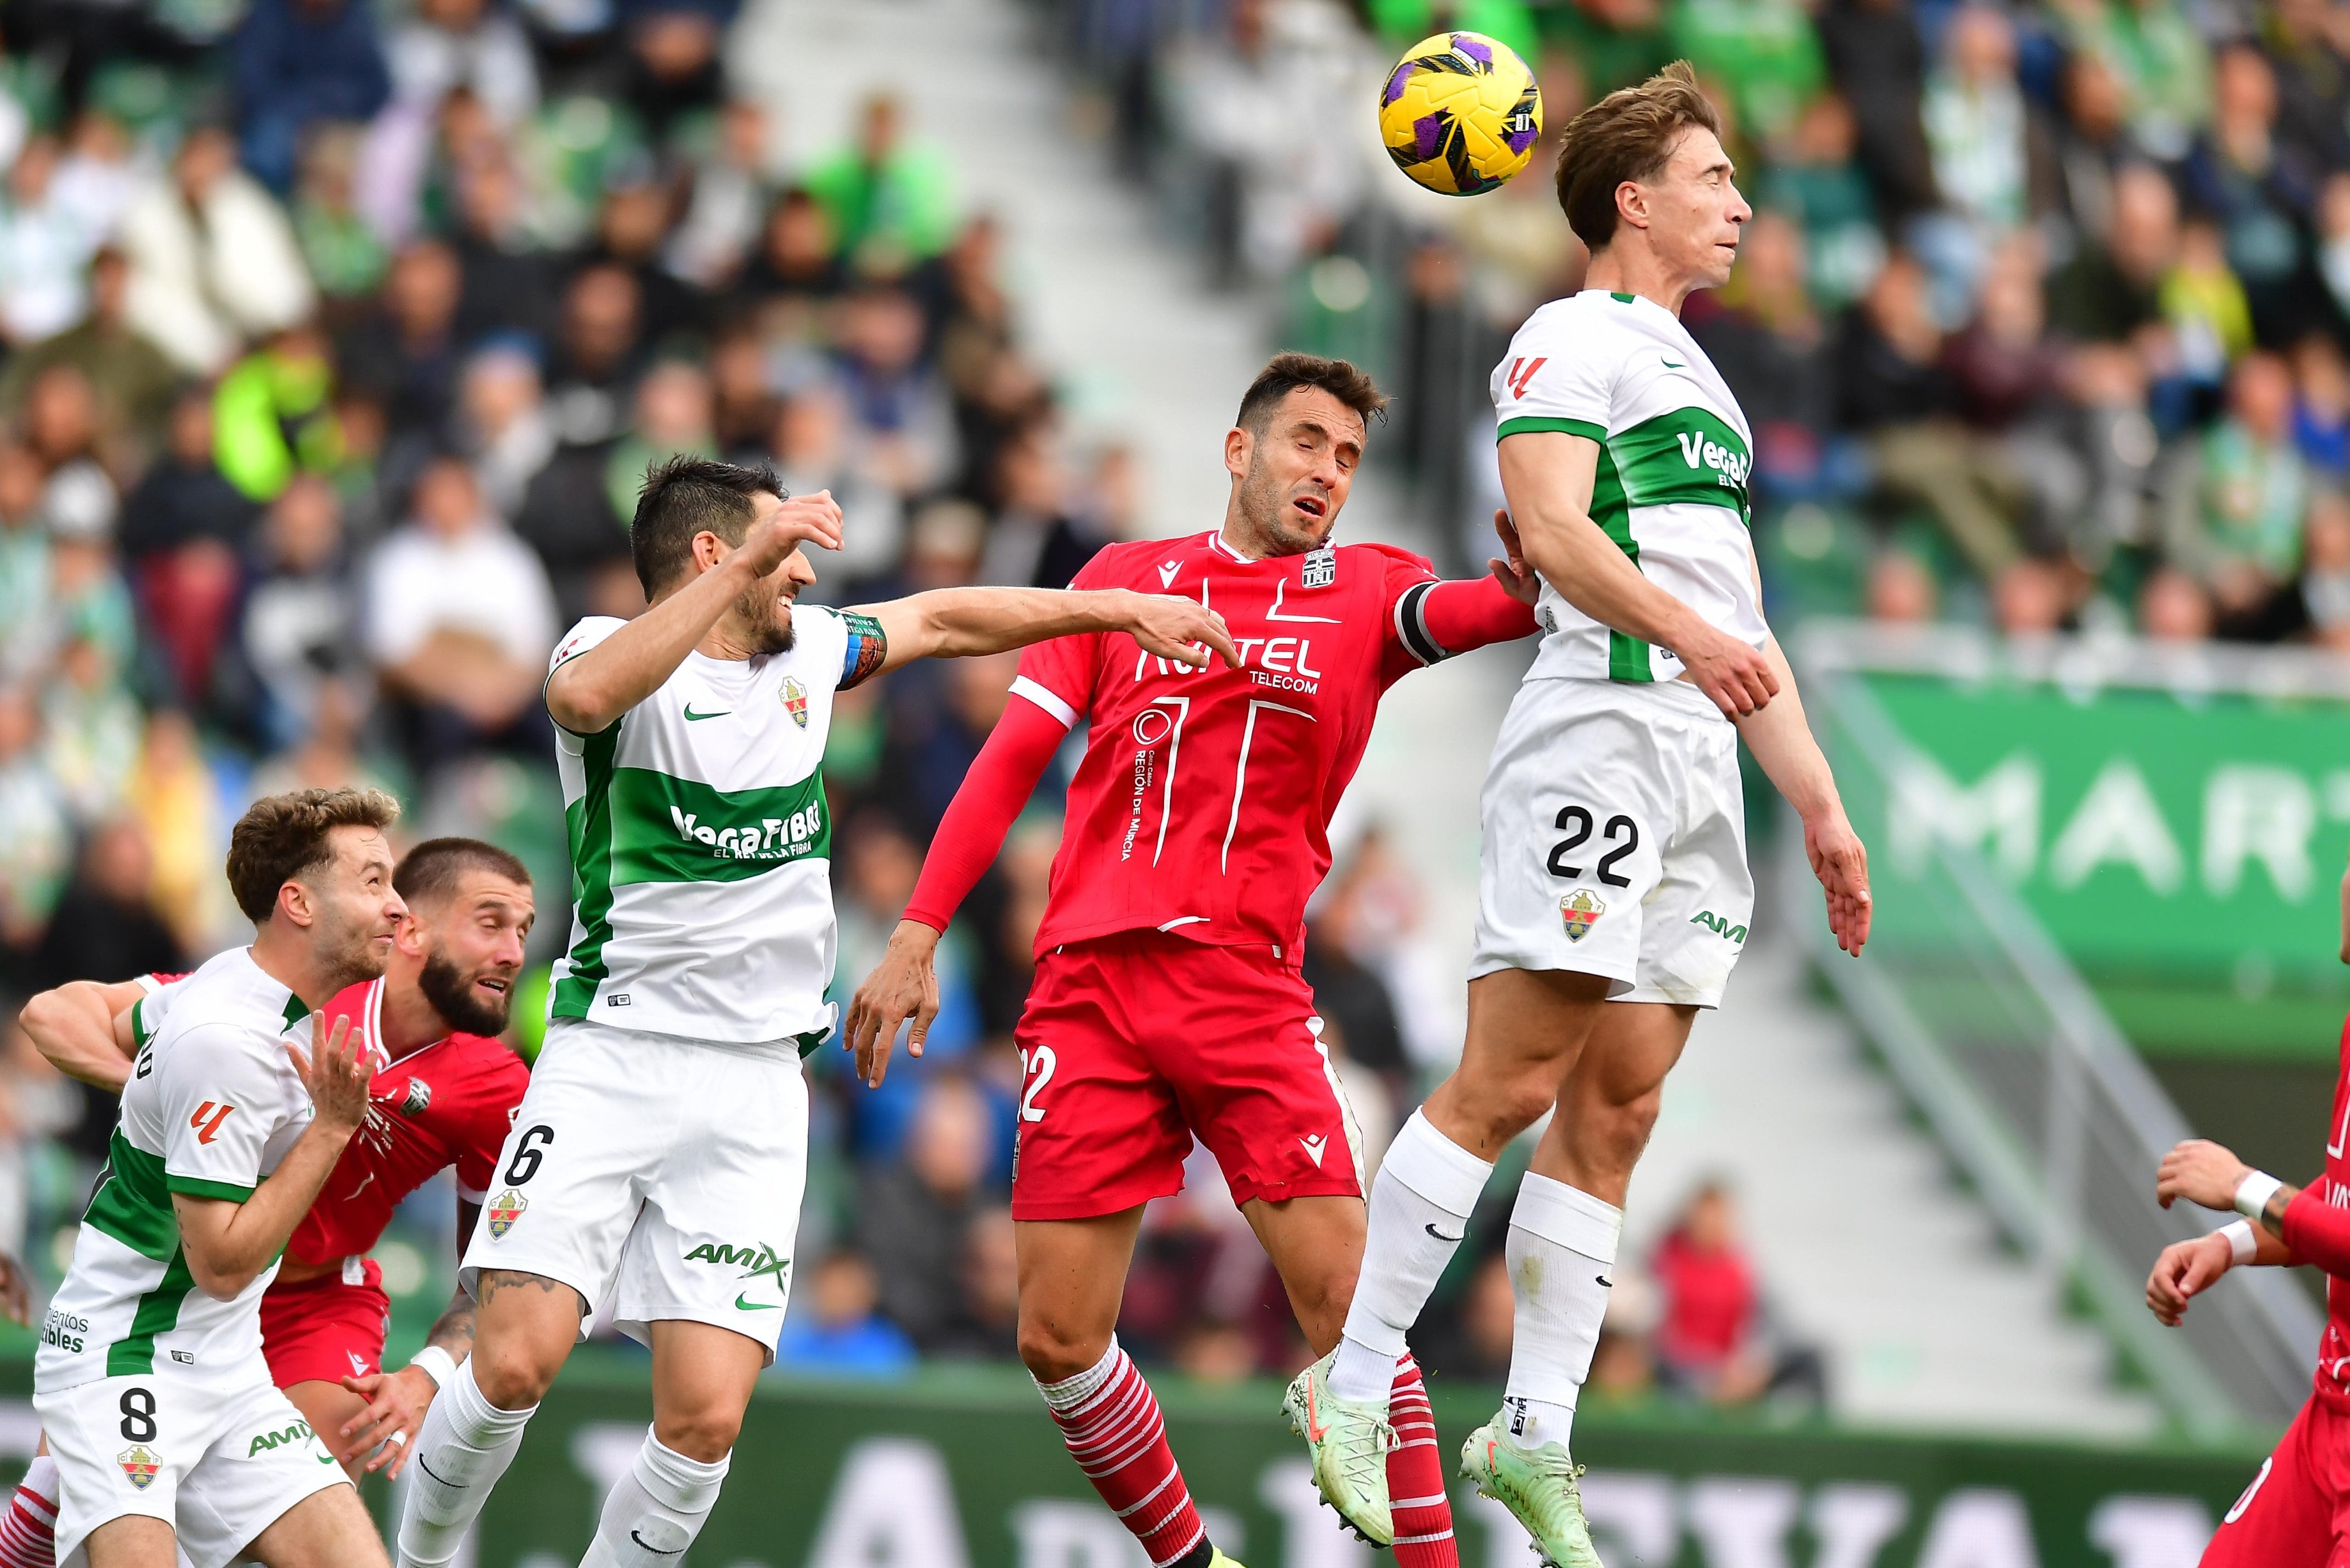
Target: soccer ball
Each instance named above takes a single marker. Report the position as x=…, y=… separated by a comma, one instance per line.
x=1459, y=113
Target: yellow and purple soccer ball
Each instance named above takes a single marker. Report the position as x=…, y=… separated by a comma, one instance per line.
x=1459, y=113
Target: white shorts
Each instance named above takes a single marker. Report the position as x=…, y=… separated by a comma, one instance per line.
x=1615, y=840
x=664, y=1172
x=219, y=1466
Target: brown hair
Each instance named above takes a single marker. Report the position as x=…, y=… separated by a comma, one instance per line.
x=1627, y=135
x=280, y=836
x=431, y=869
x=1284, y=373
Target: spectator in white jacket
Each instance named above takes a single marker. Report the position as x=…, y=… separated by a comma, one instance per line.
x=213, y=260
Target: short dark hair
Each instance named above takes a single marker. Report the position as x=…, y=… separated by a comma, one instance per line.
x=1284, y=373
x=280, y=836
x=1627, y=135
x=688, y=496
x=431, y=869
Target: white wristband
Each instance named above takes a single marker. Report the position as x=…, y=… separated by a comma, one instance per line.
x=2242, y=1245
x=436, y=1363
x=2253, y=1194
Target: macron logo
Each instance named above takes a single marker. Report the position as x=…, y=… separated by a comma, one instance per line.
x=1522, y=374
x=1313, y=1147
x=1167, y=575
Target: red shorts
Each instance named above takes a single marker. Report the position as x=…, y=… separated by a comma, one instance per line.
x=1132, y=1044
x=326, y=1329
x=2296, y=1513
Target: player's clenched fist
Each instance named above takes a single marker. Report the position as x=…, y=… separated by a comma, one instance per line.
x=904, y=984
x=2184, y=1269
x=2202, y=1172
x=1178, y=628
x=337, y=1075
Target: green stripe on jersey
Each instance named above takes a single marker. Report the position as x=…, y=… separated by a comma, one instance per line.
x=132, y=1204
x=197, y=1187
x=588, y=822
x=1686, y=457
x=159, y=1312
x=668, y=829
x=1532, y=424
x=1627, y=657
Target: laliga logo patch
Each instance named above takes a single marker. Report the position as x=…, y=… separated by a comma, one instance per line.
x=795, y=697
x=1321, y=568
x=1580, y=911
x=419, y=1095
x=140, y=1466
x=504, y=1210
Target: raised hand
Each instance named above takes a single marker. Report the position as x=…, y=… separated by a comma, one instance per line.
x=336, y=1076
x=1840, y=861
x=804, y=519
x=1518, y=580
x=1175, y=627
x=904, y=984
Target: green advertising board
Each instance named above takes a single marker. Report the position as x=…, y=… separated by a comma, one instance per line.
x=961, y=1469
x=2182, y=844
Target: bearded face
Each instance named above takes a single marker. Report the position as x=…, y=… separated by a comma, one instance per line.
x=766, y=619
x=476, y=1000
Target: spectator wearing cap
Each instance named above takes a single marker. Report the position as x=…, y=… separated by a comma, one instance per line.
x=132, y=380
x=212, y=257
x=298, y=62
x=459, y=620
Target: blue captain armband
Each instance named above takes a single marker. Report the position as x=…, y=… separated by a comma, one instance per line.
x=867, y=646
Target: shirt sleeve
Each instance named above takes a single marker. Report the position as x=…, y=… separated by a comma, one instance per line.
x=1058, y=676
x=577, y=641
x=222, y=1100
x=1537, y=387
x=2319, y=1233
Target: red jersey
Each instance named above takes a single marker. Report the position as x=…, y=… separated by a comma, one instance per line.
x=2317, y=1227
x=450, y=1104
x=1204, y=804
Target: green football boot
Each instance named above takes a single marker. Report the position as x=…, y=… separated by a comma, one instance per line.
x=1537, y=1487
x=1349, y=1442
x=1218, y=1560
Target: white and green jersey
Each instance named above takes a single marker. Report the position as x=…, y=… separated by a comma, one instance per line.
x=213, y=1105
x=701, y=843
x=1675, y=458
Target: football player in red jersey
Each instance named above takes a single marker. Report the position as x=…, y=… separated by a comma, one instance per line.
x=2296, y=1513
x=1167, y=1001
x=444, y=1093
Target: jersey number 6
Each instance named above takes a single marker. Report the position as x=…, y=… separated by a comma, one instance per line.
x=524, y=1164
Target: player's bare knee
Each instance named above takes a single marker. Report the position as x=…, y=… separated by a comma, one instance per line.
x=512, y=1374
x=1054, y=1352
x=705, y=1434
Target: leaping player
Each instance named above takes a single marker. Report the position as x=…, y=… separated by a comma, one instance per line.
x=1167, y=1001
x=1613, y=896
x=2296, y=1513
x=444, y=1093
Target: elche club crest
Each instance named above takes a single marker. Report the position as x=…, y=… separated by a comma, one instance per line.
x=794, y=696
x=140, y=1465
x=1321, y=568
x=504, y=1210
x=1580, y=911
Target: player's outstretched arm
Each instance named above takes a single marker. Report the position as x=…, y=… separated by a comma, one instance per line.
x=227, y=1243
x=587, y=694
x=956, y=623
x=905, y=983
x=1782, y=743
x=2312, y=1230
x=83, y=1028
x=1547, y=476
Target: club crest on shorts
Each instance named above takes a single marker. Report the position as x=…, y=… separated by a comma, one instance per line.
x=1321, y=568
x=419, y=1098
x=795, y=697
x=1580, y=911
x=504, y=1210
x=140, y=1466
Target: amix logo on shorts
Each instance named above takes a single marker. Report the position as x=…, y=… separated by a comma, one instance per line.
x=1719, y=926
x=754, y=1260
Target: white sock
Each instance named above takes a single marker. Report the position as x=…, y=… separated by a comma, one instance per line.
x=1071, y=1392
x=654, y=1511
x=465, y=1446
x=1562, y=1245
x=1420, y=1207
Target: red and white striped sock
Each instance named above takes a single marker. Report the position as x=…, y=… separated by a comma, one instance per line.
x=1423, y=1514
x=1110, y=1421
x=28, y=1531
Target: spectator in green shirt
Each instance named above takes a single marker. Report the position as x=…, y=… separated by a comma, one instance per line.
x=1764, y=51
x=2234, y=502
x=1612, y=43
x=2164, y=66
x=885, y=195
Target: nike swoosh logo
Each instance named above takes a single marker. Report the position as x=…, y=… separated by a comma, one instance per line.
x=753, y=1306
x=1675, y=365
x=1603, y=1279
x=1440, y=1235
x=420, y=1465
x=690, y=716
x=654, y=1549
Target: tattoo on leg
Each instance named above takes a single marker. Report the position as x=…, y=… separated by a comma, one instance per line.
x=492, y=1280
